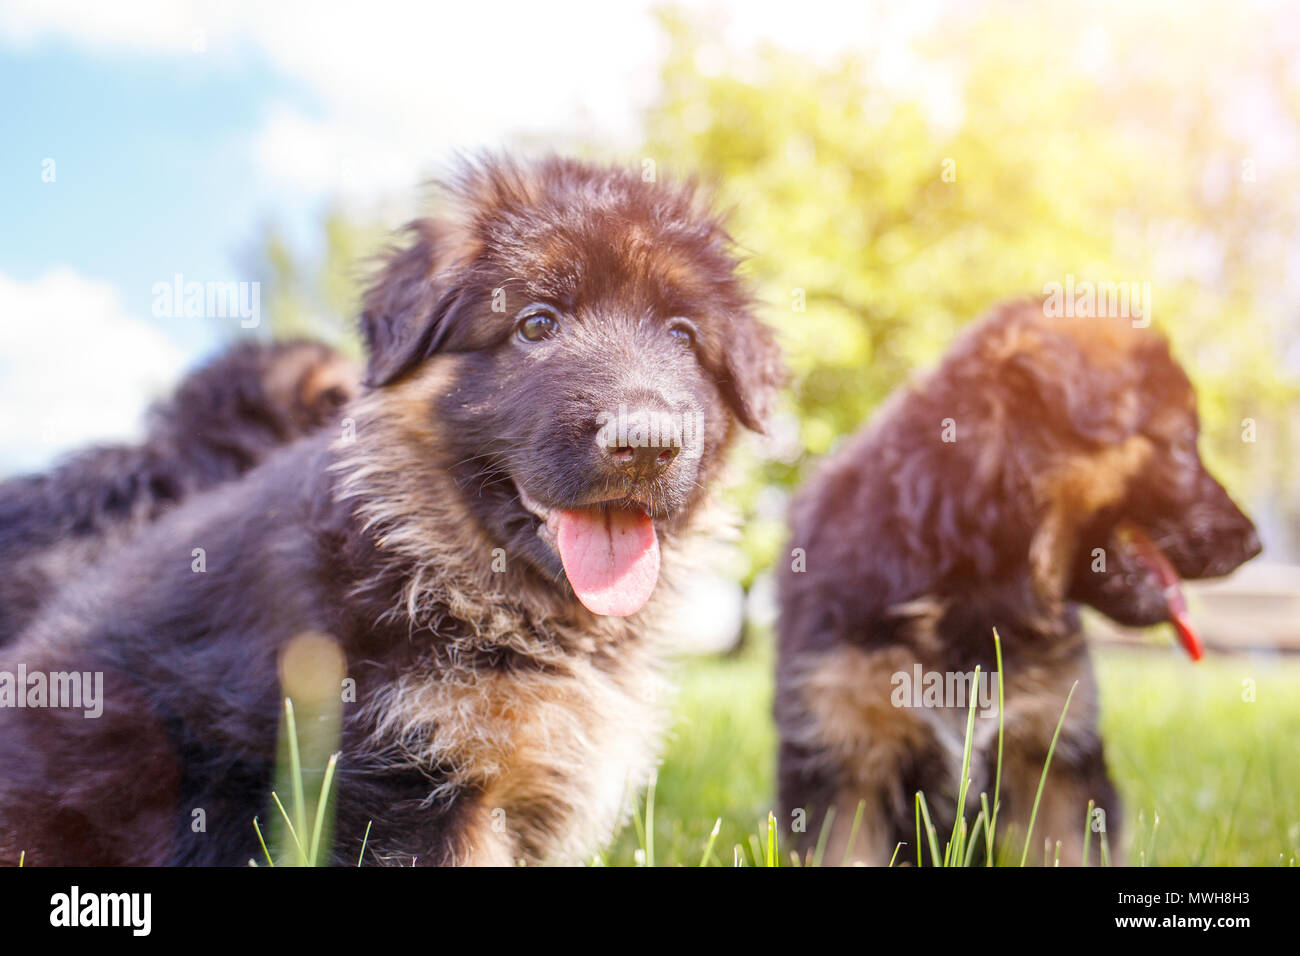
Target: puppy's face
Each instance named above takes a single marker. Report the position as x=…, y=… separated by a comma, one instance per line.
x=1174, y=520
x=310, y=383
x=1122, y=481
x=604, y=352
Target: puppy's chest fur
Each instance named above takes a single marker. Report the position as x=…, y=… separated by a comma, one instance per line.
x=541, y=719
x=549, y=749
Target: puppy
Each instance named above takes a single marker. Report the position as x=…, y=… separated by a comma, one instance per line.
x=1046, y=463
x=221, y=421
x=557, y=365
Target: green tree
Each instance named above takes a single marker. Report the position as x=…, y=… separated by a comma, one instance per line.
x=1025, y=145
x=881, y=219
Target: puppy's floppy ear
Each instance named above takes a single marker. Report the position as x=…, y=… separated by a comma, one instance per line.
x=405, y=313
x=1097, y=401
x=753, y=373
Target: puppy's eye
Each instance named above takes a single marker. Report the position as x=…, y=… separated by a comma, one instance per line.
x=537, y=324
x=334, y=397
x=683, y=333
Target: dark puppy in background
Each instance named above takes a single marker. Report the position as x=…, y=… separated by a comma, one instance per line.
x=221, y=420
x=491, y=557
x=1068, y=439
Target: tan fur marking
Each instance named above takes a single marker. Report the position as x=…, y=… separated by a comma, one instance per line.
x=336, y=373
x=865, y=740
x=1070, y=492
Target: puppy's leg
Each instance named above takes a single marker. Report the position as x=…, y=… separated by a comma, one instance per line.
x=819, y=806
x=1063, y=816
x=845, y=744
x=1077, y=774
x=95, y=785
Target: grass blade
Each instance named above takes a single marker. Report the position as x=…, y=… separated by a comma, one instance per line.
x=1087, y=831
x=713, y=838
x=1151, y=844
x=992, y=825
x=988, y=835
x=650, y=822
x=933, y=836
x=321, y=804
x=980, y=819
x=853, y=833
x=917, y=805
x=262, y=842
x=295, y=771
x=823, y=837
x=1042, y=781
x=639, y=822
x=957, y=845
x=364, y=840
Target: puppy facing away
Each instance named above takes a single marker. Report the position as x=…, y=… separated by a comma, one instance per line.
x=1046, y=463
x=221, y=420
x=557, y=365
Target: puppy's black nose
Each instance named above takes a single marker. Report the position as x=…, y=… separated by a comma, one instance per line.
x=640, y=461
x=643, y=446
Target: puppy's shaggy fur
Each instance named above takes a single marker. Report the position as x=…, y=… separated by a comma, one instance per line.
x=982, y=496
x=221, y=420
x=496, y=719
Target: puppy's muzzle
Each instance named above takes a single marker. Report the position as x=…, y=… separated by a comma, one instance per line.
x=643, y=447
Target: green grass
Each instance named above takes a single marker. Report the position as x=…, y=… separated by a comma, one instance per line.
x=298, y=843
x=1205, y=757
x=1207, y=777
x=1221, y=774
x=719, y=763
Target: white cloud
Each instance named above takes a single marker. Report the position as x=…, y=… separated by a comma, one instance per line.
x=156, y=25
x=404, y=86
x=399, y=85
x=330, y=157
x=76, y=368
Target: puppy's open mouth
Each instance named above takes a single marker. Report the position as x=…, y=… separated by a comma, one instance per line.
x=1136, y=542
x=609, y=549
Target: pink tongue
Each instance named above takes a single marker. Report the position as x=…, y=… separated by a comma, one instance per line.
x=611, y=556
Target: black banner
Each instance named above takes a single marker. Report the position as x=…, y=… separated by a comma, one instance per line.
x=266, y=905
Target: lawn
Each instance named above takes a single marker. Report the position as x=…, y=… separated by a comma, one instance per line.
x=1211, y=751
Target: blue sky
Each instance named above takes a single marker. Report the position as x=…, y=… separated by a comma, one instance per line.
x=179, y=129
x=151, y=173
x=152, y=176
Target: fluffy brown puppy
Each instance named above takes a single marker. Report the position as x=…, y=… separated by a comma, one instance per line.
x=1047, y=462
x=557, y=365
x=222, y=420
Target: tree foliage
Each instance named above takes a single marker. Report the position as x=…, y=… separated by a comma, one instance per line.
x=883, y=211
x=1020, y=150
